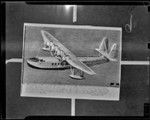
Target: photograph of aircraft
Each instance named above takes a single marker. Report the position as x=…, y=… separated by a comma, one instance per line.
x=62, y=58
x=71, y=61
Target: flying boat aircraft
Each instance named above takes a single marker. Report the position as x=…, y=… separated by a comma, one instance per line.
x=62, y=58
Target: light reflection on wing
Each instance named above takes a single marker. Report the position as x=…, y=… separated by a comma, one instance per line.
x=81, y=66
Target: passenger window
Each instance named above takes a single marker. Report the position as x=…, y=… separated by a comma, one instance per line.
x=41, y=60
x=64, y=63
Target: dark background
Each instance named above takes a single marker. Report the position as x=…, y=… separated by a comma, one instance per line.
x=134, y=79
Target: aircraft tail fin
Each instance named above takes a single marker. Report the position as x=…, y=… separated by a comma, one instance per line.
x=113, y=53
x=103, y=47
x=104, y=50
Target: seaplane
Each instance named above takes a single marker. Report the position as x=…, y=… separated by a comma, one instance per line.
x=62, y=58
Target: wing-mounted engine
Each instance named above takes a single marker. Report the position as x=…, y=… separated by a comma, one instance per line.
x=46, y=46
x=55, y=51
x=58, y=53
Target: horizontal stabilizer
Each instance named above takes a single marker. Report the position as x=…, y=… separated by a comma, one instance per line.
x=113, y=52
x=104, y=50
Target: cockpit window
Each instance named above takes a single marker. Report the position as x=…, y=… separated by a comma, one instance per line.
x=34, y=59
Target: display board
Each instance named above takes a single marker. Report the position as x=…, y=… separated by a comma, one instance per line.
x=50, y=78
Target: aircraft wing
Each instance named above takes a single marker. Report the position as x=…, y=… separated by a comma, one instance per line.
x=81, y=66
x=71, y=58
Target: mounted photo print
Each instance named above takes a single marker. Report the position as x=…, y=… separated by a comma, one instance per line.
x=71, y=61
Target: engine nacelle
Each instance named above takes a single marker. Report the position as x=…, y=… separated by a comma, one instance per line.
x=46, y=47
x=48, y=44
x=56, y=51
x=52, y=47
x=63, y=55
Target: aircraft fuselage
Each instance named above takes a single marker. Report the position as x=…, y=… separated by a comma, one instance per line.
x=54, y=63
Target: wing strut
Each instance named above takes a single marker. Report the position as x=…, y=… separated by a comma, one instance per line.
x=76, y=73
